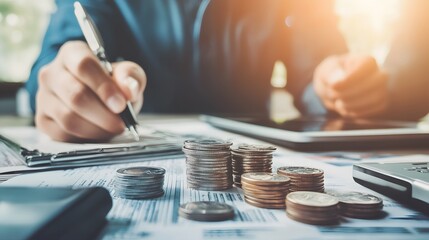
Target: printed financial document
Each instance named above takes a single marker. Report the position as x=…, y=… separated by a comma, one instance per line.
x=159, y=219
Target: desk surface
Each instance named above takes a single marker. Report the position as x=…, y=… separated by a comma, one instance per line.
x=158, y=218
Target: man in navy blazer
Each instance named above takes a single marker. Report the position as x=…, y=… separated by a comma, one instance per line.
x=212, y=56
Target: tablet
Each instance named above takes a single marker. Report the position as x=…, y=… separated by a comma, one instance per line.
x=320, y=134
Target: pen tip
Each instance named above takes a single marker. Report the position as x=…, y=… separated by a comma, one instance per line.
x=135, y=133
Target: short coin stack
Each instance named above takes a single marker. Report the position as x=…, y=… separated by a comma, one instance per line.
x=139, y=182
x=304, y=178
x=312, y=207
x=265, y=190
x=208, y=164
x=358, y=205
x=206, y=211
x=251, y=158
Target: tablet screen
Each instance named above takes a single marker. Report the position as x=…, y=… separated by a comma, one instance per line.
x=328, y=124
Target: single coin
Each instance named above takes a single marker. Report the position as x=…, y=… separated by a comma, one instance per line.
x=206, y=211
x=264, y=178
x=323, y=222
x=313, y=199
x=141, y=171
x=263, y=205
x=306, y=179
x=207, y=144
x=257, y=148
x=271, y=200
x=267, y=188
x=356, y=198
x=296, y=171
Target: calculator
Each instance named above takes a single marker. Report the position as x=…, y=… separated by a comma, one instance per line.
x=406, y=182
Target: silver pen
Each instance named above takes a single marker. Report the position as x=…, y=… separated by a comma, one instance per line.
x=95, y=43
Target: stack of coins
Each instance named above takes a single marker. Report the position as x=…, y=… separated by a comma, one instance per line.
x=208, y=164
x=251, y=158
x=206, y=211
x=312, y=207
x=139, y=182
x=265, y=190
x=304, y=178
x=358, y=205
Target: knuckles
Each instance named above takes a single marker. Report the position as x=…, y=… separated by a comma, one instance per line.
x=78, y=58
x=68, y=119
x=78, y=96
x=84, y=65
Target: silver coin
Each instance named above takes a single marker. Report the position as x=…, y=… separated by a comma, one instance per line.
x=207, y=144
x=141, y=171
x=263, y=177
x=356, y=198
x=140, y=196
x=138, y=181
x=256, y=147
x=206, y=211
x=299, y=171
x=312, y=199
x=206, y=153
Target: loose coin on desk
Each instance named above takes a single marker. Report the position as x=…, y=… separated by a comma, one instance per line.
x=206, y=211
x=312, y=207
x=358, y=205
x=208, y=164
x=139, y=182
x=304, y=178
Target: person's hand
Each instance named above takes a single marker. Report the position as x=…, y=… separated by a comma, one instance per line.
x=353, y=86
x=77, y=100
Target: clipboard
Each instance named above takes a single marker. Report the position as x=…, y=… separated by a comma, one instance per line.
x=23, y=159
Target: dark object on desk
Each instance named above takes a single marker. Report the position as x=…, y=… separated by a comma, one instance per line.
x=52, y=213
x=325, y=134
x=406, y=182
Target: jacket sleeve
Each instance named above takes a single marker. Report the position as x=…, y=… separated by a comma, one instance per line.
x=64, y=27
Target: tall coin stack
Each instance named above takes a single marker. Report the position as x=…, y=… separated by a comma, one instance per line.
x=139, y=182
x=358, y=205
x=265, y=190
x=312, y=207
x=304, y=178
x=251, y=158
x=208, y=164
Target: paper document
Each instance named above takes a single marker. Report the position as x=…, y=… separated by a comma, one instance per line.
x=159, y=219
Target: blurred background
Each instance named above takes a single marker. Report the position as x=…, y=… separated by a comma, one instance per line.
x=23, y=22
x=22, y=25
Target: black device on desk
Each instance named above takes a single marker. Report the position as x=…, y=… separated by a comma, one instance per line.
x=52, y=213
x=321, y=133
x=407, y=182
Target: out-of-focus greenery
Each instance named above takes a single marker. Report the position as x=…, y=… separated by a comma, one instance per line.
x=22, y=23
x=18, y=24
